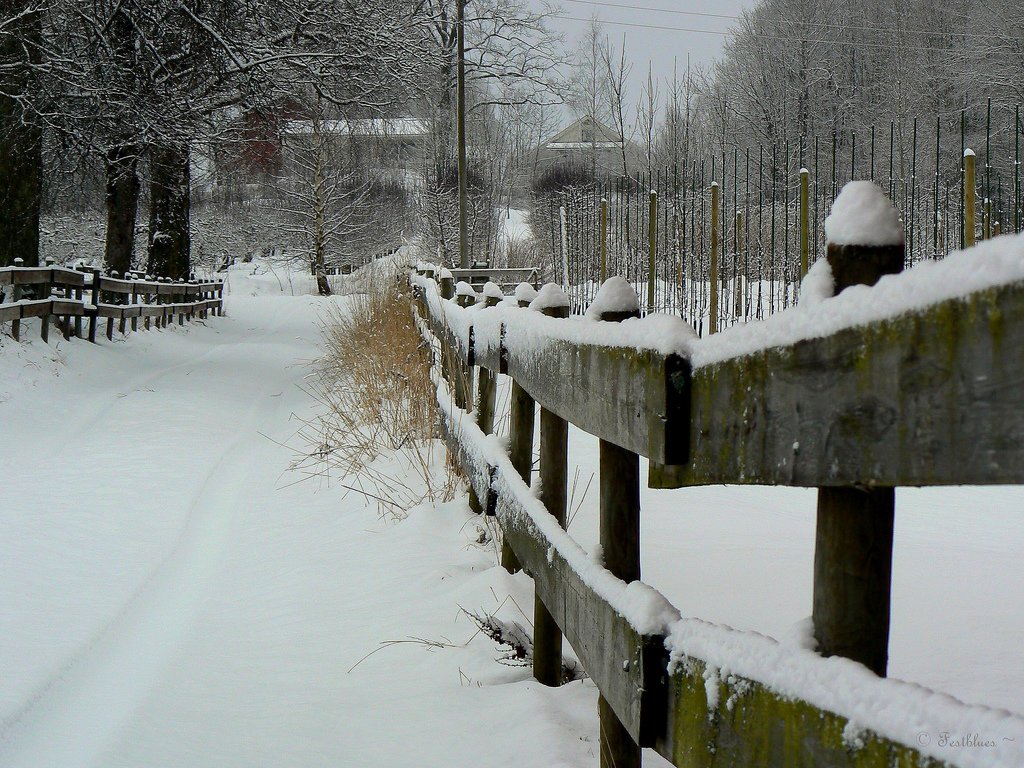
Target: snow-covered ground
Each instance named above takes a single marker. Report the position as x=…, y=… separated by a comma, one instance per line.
x=170, y=598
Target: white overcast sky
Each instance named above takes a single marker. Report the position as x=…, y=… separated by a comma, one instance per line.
x=658, y=32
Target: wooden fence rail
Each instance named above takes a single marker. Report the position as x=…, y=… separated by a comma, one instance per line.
x=928, y=396
x=68, y=295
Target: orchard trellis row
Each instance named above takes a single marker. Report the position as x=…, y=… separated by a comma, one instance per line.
x=69, y=296
x=662, y=230
x=923, y=394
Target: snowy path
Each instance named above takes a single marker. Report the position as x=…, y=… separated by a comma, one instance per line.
x=170, y=599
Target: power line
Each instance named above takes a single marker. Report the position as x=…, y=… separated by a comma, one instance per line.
x=818, y=24
x=656, y=10
x=763, y=35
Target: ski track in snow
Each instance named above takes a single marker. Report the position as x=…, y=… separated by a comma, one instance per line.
x=170, y=599
x=98, y=689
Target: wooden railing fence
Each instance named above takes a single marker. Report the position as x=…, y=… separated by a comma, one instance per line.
x=66, y=296
x=926, y=397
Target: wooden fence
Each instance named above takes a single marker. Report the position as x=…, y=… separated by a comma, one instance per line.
x=67, y=296
x=927, y=397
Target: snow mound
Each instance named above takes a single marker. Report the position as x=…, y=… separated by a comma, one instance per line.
x=525, y=292
x=818, y=284
x=551, y=296
x=863, y=215
x=493, y=291
x=616, y=295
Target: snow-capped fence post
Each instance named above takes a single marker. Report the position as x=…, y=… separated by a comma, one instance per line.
x=970, y=199
x=554, y=458
x=447, y=285
x=854, y=534
x=652, y=248
x=522, y=415
x=619, y=483
x=713, y=272
x=805, y=222
x=16, y=296
x=45, y=289
x=739, y=277
x=487, y=387
x=78, y=318
x=604, y=239
x=94, y=314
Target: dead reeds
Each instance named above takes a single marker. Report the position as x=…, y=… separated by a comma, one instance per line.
x=375, y=432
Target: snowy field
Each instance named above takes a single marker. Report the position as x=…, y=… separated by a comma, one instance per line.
x=171, y=597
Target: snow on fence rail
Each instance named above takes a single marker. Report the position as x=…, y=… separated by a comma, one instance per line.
x=72, y=294
x=914, y=381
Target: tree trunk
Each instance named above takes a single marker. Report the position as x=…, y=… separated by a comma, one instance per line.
x=122, y=208
x=20, y=141
x=169, y=236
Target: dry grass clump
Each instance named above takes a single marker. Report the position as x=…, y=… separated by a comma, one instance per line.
x=376, y=430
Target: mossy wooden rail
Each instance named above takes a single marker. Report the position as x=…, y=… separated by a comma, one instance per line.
x=925, y=397
x=68, y=295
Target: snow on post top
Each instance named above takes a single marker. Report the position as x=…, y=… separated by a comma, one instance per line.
x=493, y=291
x=464, y=289
x=446, y=274
x=525, y=292
x=551, y=296
x=863, y=215
x=616, y=295
x=968, y=152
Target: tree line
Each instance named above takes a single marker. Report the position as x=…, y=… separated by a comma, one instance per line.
x=111, y=100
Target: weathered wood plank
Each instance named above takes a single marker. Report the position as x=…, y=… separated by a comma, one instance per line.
x=116, y=285
x=934, y=397
x=67, y=307
x=115, y=311
x=754, y=726
x=478, y=473
x=37, y=308
x=31, y=275
x=635, y=399
x=9, y=312
x=627, y=666
x=70, y=277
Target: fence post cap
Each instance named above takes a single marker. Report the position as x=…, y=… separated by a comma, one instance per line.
x=615, y=301
x=863, y=215
x=551, y=298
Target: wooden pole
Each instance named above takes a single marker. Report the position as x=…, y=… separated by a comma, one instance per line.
x=78, y=318
x=521, y=423
x=713, y=278
x=461, y=131
x=45, y=291
x=652, y=245
x=970, y=202
x=547, y=637
x=16, y=296
x=554, y=451
x=853, y=542
x=805, y=222
x=739, y=282
x=620, y=550
x=604, y=239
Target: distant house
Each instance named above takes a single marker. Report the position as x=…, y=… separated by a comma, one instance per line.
x=392, y=143
x=586, y=143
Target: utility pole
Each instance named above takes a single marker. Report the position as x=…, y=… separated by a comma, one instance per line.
x=461, y=130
